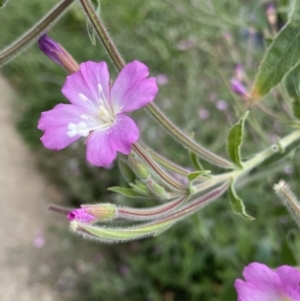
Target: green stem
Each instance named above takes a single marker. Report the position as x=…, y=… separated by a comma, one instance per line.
x=35, y=32
x=103, y=35
x=248, y=165
x=166, y=163
x=154, y=111
x=187, y=141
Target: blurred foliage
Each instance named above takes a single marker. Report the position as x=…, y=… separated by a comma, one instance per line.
x=196, y=44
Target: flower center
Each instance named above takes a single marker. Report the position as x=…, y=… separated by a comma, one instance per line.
x=106, y=116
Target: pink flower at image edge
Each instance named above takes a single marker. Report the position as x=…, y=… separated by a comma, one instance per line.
x=264, y=284
x=98, y=112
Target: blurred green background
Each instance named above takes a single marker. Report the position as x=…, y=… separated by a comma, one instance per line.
x=195, y=44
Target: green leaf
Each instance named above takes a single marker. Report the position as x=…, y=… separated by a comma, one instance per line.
x=124, y=191
x=126, y=171
x=282, y=55
x=91, y=32
x=235, y=140
x=195, y=174
x=89, y=27
x=3, y=3
x=237, y=204
x=195, y=161
x=292, y=87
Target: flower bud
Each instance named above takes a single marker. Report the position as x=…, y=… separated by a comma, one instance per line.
x=157, y=189
x=140, y=188
x=288, y=199
x=93, y=213
x=140, y=168
x=271, y=14
x=126, y=171
x=57, y=53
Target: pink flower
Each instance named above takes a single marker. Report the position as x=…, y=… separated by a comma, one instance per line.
x=81, y=215
x=93, y=213
x=238, y=87
x=98, y=111
x=265, y=284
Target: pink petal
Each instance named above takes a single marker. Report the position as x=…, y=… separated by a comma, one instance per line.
x=259, y=274
x=56, y=138
x=80, y=215
x=86, y=82
x=290, y=279
x=124, y=132
x=100, y=148
x=55, y=124
x=132, y=90
x=249, y=292
x=63, y=114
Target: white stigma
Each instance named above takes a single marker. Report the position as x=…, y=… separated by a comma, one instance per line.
x=80, y=129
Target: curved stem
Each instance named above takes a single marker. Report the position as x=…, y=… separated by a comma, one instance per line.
x=187, y=141
x=157, y=169
x=166, y=162
x=35, y=32
x=154, y=111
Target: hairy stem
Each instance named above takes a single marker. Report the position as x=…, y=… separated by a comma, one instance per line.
x=11, y=50
x=157, y=169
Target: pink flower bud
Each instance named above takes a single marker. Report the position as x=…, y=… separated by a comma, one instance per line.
x=57, y=53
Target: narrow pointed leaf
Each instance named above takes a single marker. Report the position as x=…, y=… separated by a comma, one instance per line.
x=195, y=174
x=91, y=32
x=90, y=29
x=195, y=161
x=128, y=192
x=292, y=87
x=235, y=140
x=237, y=204
x=282, y=55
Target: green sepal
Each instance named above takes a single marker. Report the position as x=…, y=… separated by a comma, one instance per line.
x=195, y=174
x=126, y=171
x=237, y=204
x=292, y=87
x=128, y=192
x=140, y=188
x=282, y=55
x=235, y=140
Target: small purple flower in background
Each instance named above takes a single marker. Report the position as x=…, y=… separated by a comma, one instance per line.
x=39, y=239
x=97, y=111
x=162, y=79
x=239, y=88
x=239, y=72
x=265, y=284
x=221, y=105
x=203, y=114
